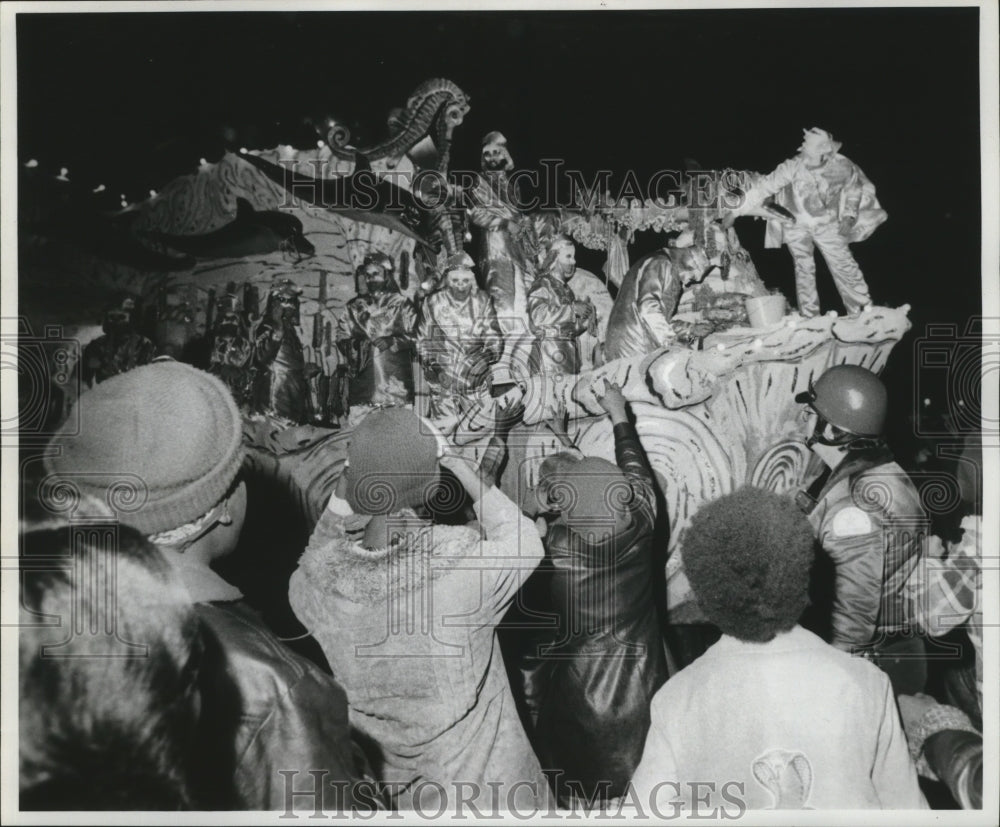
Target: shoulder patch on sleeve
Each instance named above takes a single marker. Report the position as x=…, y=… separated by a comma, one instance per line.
x=851, y=521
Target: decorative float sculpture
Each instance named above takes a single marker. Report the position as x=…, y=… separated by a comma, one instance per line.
x=715, y=408
x=834, y=205
x=230, y=223
x=710, y=420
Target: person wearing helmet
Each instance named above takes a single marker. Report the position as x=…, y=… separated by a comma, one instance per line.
x=834, y=205
x=868, y=519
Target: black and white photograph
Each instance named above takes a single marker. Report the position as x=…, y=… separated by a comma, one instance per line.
x=513, y=412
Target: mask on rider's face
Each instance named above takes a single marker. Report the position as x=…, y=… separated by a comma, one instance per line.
x=494, y=157
x=459, y=283
x=375, y=279
x=566, y=261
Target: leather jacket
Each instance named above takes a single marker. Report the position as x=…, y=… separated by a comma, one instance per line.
x=265, y=710
x=606, y=660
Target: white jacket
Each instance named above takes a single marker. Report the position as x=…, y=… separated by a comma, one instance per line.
x=788, y=724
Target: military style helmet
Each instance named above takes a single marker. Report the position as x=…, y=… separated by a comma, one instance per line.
x=851, y=398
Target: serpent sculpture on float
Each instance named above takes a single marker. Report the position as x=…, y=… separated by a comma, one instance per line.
x=434, y=109
x=436, y=103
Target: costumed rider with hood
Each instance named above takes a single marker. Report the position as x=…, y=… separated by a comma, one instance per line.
x=121, y=348
x=458, y=337
x=492, y=206
x=231, y=356
x=376, y=336
x=868, y=519
x=282, y=383
x=649, y=294
x=556, y=316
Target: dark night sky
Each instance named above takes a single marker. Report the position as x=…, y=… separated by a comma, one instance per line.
x=134, y=100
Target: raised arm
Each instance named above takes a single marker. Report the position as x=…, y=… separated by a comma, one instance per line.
x=767, y=185
x=511, y=548
x=629, y=454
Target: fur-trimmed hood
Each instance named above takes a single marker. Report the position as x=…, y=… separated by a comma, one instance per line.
x=335, y=561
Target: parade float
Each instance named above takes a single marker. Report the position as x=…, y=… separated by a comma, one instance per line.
x=230, y=229
x=262, y=232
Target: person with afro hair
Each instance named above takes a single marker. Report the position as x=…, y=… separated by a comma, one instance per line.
x=770, y=716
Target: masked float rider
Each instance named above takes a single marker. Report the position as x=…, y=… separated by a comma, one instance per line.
x=556, y=317
x=121, y=348
x=834, y=205
x=231, y=358
x=493, y=205
x=458, y=337
x=587, y=288
x=868, y=518
x=282, y=386
x=649, y=294
x=376, y=337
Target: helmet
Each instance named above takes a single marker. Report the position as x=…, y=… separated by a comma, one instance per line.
x=850, y=398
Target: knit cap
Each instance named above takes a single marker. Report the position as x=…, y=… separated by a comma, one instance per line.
x=160, y=445
x=392, y=462
x=590, y=494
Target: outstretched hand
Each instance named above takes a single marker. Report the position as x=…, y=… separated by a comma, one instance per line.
x=509, y=410
x=613, y=401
